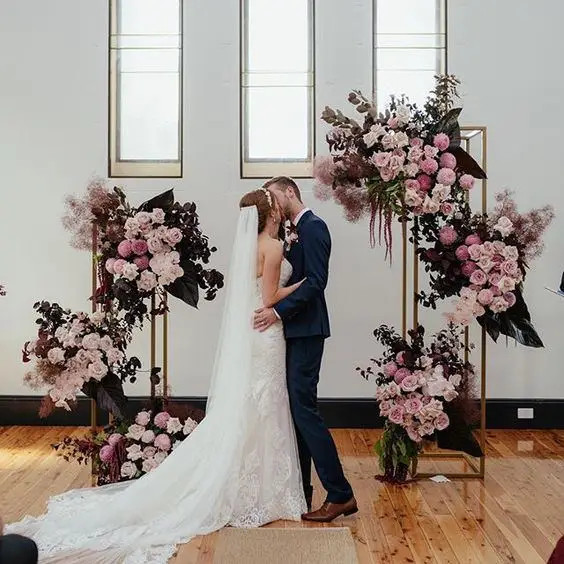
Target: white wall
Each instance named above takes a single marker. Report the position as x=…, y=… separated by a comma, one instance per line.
x=53, y=119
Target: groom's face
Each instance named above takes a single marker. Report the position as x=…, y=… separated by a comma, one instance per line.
x=283, y=201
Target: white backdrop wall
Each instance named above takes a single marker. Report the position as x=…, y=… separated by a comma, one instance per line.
x=53, y=133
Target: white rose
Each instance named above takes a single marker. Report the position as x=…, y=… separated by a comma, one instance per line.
x=130, y=271
x=97, y=370
x=455, y=379
x=173, y=426
x=504, y=225
x=401, y=139
x=106, y=343
x=147, y=281
x=134, y=452
x=114, y=355
x=403, y=114
x=189, y=426
x=128, y=470
x=97, y=317
x=135, y=432
x=56, y=355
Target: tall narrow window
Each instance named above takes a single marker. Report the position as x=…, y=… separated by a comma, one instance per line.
x=145, y=129
x=277, y=88
x=409, y=47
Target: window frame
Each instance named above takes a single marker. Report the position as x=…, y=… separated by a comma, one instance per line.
x=441, y=19
x=142, y=168
x=267, y=168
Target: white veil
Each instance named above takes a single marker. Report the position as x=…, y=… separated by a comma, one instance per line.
x=189, y=494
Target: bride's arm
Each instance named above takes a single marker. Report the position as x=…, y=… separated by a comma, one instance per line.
x=271, y=291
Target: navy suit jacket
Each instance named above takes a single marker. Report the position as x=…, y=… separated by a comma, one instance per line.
x=304, y=312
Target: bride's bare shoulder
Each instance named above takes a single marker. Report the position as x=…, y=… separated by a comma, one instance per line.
x=273, y=248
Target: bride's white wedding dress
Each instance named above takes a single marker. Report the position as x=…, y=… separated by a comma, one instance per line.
x=239, y=467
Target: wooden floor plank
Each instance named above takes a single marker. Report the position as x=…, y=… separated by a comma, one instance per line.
x=515, y=515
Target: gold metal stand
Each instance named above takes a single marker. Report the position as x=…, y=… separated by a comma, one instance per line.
x=473, y=468
x=94, y=307
x=164, y=345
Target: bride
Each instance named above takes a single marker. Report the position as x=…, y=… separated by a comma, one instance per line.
x=239, y=467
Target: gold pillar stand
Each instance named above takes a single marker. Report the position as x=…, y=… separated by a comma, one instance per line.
x=94, y=271
x=164, y=344
x=473, y=467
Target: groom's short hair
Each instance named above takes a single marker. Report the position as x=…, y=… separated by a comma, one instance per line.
x=284, y=183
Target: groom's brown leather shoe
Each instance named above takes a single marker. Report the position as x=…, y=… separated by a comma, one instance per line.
x=329, y=511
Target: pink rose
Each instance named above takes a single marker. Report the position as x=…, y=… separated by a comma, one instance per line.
x=510, y=252
x=381, y=159
x=473, y=240
x=430, y=151
x=446, y=176
x=155, y=245
x=478, y=277
x=429, y=166
x=106, y=453
x=448, y=160
x=149, y=464
x=162, y=442
x=142, y=263
x=442, y=422
x=485, y=297
x=425, y=182
x=447, y=208
x=441, y=141
x=462, y=253
x=475, y=252
x=396, y=414
x=510, y=267
x=158, y=215
x=413, y=434
x=143, y=418
x=409, y=383
x=448, y=235
x=143, y=217
x=468, y=268
x=415, y=154
x=498, y=304
x=416, y=142
x=148, y=436
x=91, y=341
x=390, y=369
x=174, y=236
x=510, y=299
x=506, y=284
x=466, y=181
x=393, y=122
x=119, y=265
x=124, y=248
x=161, y=419
x=385, y=408
x=400, y=358
x=412, y=184
x=486, y=263
x=139, y=246
x=149, y=452
x=387, y=174
x=401, y=374
x=413, y=406
x=110, y=265
x=114, y=439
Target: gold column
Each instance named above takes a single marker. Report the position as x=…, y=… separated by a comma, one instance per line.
x=477, y=471
x=94, y=272
x=165, y=348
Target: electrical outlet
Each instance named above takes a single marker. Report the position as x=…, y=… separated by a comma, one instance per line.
x=525, y=413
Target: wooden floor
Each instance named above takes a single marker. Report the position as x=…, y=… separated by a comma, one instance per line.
x=516, y=515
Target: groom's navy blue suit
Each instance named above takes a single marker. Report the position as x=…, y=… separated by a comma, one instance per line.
x=306, y=326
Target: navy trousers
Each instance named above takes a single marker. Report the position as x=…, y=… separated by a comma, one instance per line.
x=303, y=363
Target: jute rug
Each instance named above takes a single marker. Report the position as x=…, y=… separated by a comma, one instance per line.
x=285, y=546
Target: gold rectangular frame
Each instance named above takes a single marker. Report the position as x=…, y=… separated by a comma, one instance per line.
x=477, y=469
x=164, y=344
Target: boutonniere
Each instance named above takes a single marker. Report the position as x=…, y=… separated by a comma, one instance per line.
x=291, y=235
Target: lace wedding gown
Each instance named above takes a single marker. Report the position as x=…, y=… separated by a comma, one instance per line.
x=239, y=467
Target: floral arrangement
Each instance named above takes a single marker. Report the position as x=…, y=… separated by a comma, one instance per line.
x=421, y=389
x=155, y=248
x=130, y=450
x=79, y=352
x=398, y=163
x=482, y=260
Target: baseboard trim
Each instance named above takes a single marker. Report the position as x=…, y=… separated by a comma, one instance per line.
x=349, y=413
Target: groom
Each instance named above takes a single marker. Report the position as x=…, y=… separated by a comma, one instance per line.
x=306, y=326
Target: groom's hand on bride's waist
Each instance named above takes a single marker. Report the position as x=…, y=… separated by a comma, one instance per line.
x=264, y=318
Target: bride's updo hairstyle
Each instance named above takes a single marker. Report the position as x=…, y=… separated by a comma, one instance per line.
x=263, y=199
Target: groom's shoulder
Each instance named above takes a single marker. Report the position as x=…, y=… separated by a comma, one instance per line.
x=316, y=223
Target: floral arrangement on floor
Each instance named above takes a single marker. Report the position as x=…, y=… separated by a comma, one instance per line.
x=398, y=163
x=80, y=352
x=129, y=450
x=483, y=260
x=155, y=248
x=424, y=393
